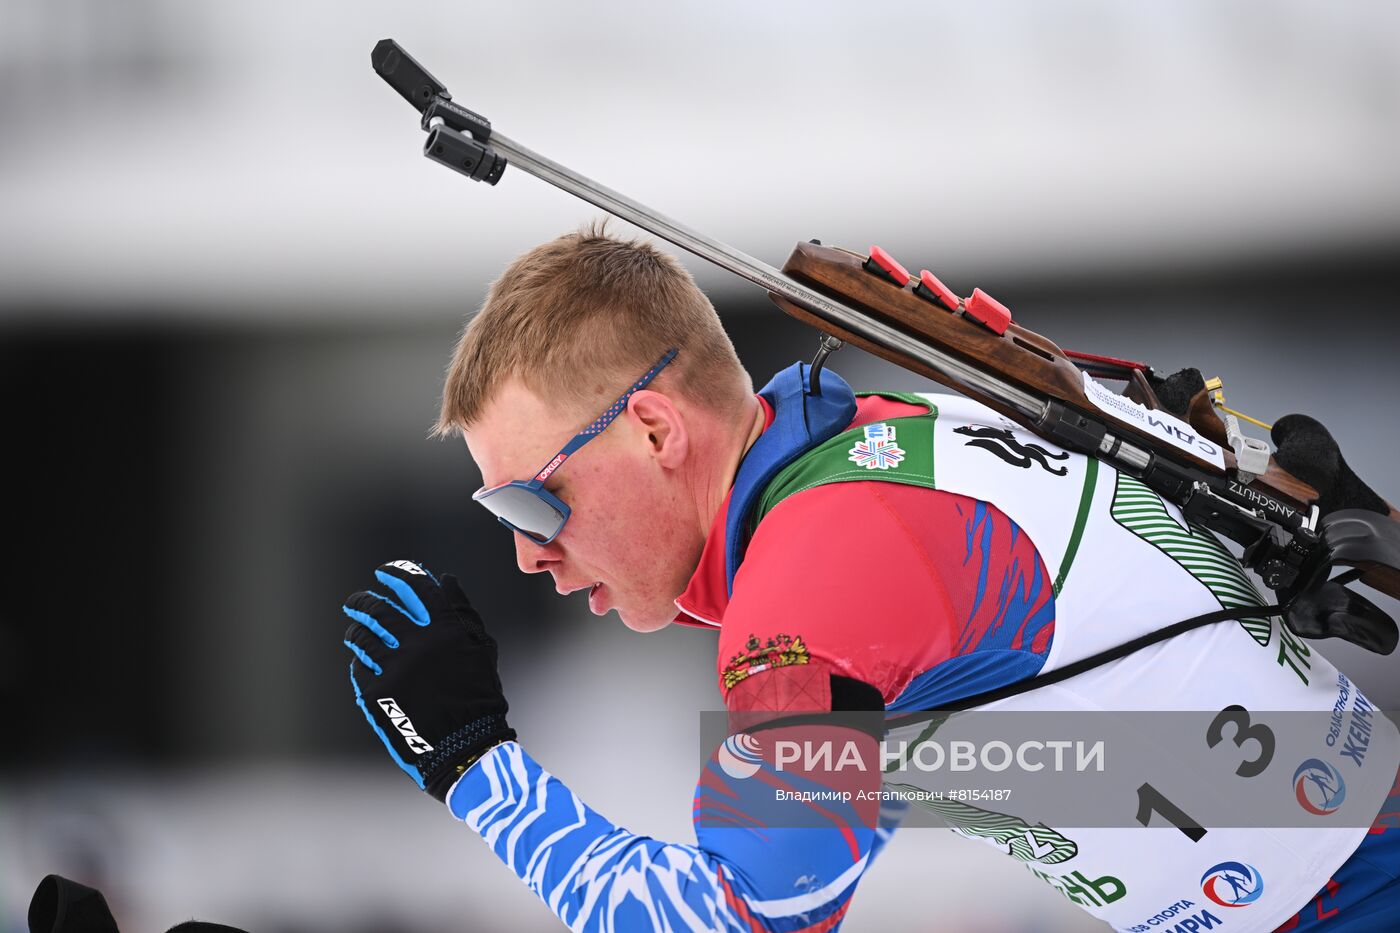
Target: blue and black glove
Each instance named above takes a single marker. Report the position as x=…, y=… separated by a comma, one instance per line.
x=424, y=674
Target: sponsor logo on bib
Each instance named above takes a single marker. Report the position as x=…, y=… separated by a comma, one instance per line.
x=1003, y=443
x=1319, y=787
x=1232, y=884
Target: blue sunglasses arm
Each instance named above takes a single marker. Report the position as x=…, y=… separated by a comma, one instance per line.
x=601, y=422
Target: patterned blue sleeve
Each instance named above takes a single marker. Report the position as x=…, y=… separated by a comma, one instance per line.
x=892, y=813
x=744, y=875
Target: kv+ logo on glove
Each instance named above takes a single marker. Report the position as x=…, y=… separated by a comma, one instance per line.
x=424, y=674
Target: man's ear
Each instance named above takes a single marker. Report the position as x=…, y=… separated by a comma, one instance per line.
x=659, y=420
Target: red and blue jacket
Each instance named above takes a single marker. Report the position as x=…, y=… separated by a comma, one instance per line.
x=912, y=594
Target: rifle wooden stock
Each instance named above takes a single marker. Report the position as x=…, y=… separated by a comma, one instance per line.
x=1019, y=356
x=1023, y=358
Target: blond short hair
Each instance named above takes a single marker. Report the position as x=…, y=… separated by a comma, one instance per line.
x=579, y=318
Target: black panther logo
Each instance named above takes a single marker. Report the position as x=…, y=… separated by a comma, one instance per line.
x=1014, y=453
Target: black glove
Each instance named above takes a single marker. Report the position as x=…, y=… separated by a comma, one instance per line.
x=425, y=674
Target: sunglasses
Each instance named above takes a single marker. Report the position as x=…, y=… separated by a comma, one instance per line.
x=525, y=506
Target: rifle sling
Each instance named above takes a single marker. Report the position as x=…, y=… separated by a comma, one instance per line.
x=1104, y=657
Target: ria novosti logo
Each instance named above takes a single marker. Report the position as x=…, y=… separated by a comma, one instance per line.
x=1232, y=884
x=740, y=756
x=1319, y=787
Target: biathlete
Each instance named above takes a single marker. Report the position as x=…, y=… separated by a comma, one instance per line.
x=875, y=552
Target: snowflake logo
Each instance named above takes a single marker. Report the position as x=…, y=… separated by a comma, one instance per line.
x=878, y=451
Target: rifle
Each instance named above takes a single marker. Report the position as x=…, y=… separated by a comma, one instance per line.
x=1191, y=456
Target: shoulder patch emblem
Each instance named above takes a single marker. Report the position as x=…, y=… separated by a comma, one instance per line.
x=878, y=451
x=778, y=651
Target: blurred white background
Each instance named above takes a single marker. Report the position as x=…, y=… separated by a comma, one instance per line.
x=173, y=151
x=229, y=282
